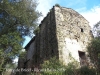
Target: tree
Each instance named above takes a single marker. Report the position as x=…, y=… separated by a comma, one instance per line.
x=94, y=47
x=94, y=53
x=18, y=18
x=96, y=29
x=18, y=14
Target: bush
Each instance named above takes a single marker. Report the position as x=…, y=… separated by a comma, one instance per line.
x=52, y=67
x=94, y=53
x=55, y=67
x=86, y=71
x=57, y=5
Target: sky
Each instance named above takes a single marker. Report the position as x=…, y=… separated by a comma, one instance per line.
x=89, y=9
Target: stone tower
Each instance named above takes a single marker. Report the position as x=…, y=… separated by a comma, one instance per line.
x=73, y=35
x=61, y=33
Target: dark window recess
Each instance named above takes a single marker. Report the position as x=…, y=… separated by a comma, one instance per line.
x=77, y=22
x=82, y=30
x=52, y=51
x=82, y=58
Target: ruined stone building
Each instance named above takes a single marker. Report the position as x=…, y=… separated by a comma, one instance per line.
x=61, y=33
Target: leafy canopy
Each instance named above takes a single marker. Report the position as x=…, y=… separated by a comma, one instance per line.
x=18, y=18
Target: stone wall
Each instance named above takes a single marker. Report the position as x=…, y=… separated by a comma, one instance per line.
x=30, y=53
x=73, y=33
x=63, y=31
x=48, y=46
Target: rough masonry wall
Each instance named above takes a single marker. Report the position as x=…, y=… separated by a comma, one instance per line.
x=48, y=45
x=73, y=33
x=63, y=31
x=30, y=53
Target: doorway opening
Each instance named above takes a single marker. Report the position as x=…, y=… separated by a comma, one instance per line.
x=82, y=58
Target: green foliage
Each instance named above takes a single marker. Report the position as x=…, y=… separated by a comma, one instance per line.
x=21, y=15
x=18, y=18
x=57, y=5
x=58, y=68
x=52, y=67
x=86, y=71
x=22, y=54
x=94, y=47
x=70, y=70
x=55, y=67
x=96, y=29
x=37, y=30
x=94, y=53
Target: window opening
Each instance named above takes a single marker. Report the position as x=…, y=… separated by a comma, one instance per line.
x=82, y=30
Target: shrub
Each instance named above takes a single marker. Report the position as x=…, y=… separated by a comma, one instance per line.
x=52, y=67
x=57, y=5
x=86, y=71
x=55, y=67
